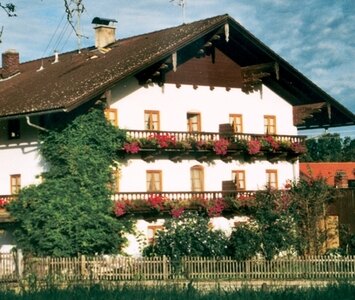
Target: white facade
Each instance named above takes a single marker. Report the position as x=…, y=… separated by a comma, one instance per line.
x=20, y=156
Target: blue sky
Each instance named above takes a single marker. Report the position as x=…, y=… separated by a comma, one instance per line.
x=317, y=37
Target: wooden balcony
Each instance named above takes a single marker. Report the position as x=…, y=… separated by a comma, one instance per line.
x=182, y=136
x=177, y=197
x=204, y=146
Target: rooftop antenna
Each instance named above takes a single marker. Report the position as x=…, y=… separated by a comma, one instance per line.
x=182, y=4
x=72, y=13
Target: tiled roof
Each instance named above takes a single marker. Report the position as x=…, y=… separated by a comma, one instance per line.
x=328, y=170
x=79, y=77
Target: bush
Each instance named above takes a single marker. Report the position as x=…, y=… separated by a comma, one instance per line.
x=188, y=235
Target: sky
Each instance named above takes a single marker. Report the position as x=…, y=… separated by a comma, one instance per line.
x=317, y=37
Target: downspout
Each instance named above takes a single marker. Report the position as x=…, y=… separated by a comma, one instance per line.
x=35, y=125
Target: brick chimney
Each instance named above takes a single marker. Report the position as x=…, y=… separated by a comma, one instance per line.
x=10, y=63
x=105, y=32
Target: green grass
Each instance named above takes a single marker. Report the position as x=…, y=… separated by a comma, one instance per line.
x=171, y=292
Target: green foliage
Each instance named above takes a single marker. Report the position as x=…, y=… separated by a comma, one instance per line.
x=310, y=200
x=244, y=242
x=188, y=235
x=71, y=211
x=330, y=148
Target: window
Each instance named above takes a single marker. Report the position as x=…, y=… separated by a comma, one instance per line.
x=193, y=122
x=151, y=120
x=111, y=116
x=15, y=184
x=197, y=179
x=154, y=181
x=236, y=122
x=239, y=180
x=13, y=129
x=152, y=233
x=269, y=124
x=271, y=179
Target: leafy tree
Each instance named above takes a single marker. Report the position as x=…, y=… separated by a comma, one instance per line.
x=309, y=202
x=348, y=152
x=244, y=242
x=71, y=211
x=188, y=235
x=330, y=147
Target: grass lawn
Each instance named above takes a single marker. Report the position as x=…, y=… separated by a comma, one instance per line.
x=97, y=291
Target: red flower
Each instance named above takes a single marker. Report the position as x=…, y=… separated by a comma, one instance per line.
x=254, y=147
x=156, y=201
x=221, y=146
x=3, y=202
x=131, y=147
x=271, y=141
x=163, y=140
x=177, y=212
x=217, y=208
x=120, y=208
x=298, y=148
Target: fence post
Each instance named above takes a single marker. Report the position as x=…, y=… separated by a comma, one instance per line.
x=82, y=266
x=165, y=268
x=19, y=263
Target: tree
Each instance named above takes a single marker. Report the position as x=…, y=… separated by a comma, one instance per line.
x=309, y=203
x=188, y=235
x=329, y=147
x=71, y=212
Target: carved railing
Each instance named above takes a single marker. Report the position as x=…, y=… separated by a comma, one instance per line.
x=182, y=196
x=181, y=136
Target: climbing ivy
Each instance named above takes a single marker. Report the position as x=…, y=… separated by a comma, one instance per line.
x=70, y=212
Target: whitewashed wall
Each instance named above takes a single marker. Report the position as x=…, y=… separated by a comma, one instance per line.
x=214, y=106
x=176, y=176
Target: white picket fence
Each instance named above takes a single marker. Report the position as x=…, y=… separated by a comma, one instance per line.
x=162, y=268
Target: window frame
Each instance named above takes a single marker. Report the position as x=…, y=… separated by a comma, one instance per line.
x=154, y=229
x=15, y=188
x=108, y=113
x=151, y=113
x=235, y=124
x=148, y=184
x=236, y=180
x=200, y=169
x=268, y=176
x=190, y=124
x=268, y=126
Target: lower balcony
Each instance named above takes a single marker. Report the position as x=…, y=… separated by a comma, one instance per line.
x=213, y=203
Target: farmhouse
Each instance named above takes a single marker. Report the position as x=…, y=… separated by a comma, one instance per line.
x=209, y=110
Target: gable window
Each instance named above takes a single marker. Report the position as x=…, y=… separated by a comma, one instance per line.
x=13, y=129
x=197, y=179
x=15, y=184
x=239, y=179
x=152, y=233
x=270, y=124
x=154, y=181
x=236, y=122
x=111, y=116
x=271, y=179
x=151, y=120
x=193, y=122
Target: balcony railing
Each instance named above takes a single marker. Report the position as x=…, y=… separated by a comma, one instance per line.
x=210, y=145
x=181, y=136
x=182, y=196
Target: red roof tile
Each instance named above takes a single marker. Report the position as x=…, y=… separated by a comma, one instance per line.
x=328, y=170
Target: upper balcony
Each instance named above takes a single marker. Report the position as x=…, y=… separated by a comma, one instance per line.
x=210, y=145
x=4, y=214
